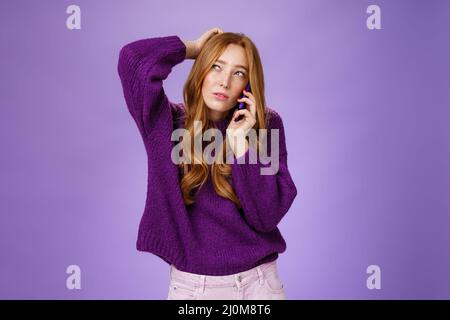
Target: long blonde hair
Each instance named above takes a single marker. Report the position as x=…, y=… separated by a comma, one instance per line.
x=196, y=174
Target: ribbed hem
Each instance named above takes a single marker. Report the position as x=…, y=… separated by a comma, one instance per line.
x=151, y=243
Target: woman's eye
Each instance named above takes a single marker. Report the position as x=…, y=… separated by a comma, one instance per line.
x=217, y=67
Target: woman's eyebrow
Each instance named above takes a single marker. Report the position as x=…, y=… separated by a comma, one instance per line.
x=238, y=65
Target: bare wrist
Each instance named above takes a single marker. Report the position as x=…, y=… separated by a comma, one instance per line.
x=191, y=49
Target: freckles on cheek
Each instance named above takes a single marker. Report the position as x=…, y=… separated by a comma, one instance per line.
x=206, y=84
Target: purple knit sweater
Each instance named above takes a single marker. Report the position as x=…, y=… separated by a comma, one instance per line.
x=211, y=236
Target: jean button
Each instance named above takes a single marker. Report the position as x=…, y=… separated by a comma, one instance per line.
x=239, y=278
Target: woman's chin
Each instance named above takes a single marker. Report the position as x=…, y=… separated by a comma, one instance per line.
x=218, y=106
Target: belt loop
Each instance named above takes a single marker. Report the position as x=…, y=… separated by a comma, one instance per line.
x=260, y=275
x=202, y=283
x=238, y=280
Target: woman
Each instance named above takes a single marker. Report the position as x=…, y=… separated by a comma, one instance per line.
x=215, y=224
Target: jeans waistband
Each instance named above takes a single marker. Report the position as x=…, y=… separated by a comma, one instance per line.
x=240, y=278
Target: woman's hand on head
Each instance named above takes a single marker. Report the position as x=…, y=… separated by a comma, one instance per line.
x=200, y=42
x=206, y=36
x=194, y=47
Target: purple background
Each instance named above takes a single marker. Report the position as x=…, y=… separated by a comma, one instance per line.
x=366, y=114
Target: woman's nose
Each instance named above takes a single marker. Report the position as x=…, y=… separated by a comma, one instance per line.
x=226, y=81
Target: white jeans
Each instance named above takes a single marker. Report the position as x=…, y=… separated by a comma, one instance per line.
x=259, y=283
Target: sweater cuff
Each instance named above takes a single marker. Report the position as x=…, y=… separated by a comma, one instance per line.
x=175, y=45
x=161, y=47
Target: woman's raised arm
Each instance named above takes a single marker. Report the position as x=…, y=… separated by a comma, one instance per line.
x=142, y=67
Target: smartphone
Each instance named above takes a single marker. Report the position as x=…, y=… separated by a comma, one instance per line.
x=241, y=105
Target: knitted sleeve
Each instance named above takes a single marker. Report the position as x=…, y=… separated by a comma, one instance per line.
x=265, y=198
x=142, y=66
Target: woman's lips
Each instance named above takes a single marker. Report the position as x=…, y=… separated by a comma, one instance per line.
x=220, y=97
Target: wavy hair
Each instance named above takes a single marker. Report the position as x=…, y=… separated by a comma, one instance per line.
x=196, y=173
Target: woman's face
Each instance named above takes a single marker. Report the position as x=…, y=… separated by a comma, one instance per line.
x=229, y=76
